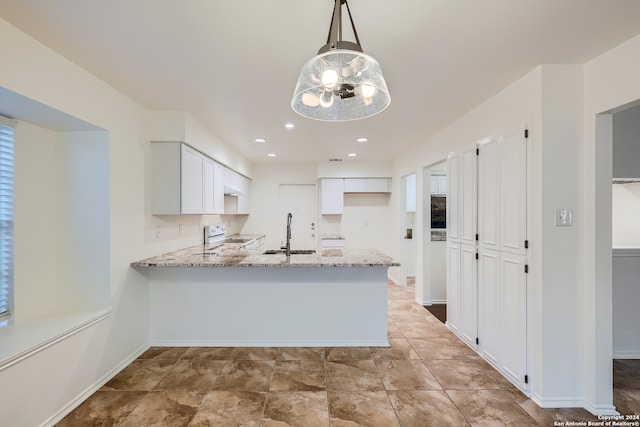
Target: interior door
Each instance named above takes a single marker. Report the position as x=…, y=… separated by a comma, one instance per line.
x=300, y=201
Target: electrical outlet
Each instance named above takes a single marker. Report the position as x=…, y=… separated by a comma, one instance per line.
x=180, y=228
x=157, y=232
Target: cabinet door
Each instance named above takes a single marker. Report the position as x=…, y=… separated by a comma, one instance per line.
x=377, y=185
x=513, y=206
x=468, y=314
x=332, y=196
x=218, y=188
x=208, y=186
x=489, y=305
x=453, y=286
x=513, y=317
x=192, y=181
x=468, y=196
x=355, y=185
x=489, y=165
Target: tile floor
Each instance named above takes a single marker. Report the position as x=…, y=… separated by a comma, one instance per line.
x=427, y=377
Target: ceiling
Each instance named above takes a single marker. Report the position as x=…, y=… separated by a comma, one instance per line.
x=233, y=65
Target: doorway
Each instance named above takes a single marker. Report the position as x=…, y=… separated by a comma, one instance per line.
x=300, y=201
x=432, y=292
x=408, y=225
x=618, y=131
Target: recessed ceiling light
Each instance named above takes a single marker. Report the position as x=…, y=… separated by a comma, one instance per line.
x=272, y=154
x=260, y=140
x=362, y=139
x=289, y=125
x=352, y=154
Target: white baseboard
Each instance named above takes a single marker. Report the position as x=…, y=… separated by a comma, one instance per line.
x=626, y=354
x=433, y=301
x=216, y=343
x=66, y=409
x=574, y=403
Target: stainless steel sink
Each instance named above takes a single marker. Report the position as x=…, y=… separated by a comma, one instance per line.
x=293, y=251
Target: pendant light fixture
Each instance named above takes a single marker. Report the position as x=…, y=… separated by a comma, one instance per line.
x=341, y=83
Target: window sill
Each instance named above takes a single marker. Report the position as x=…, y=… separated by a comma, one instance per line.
x=18, y=342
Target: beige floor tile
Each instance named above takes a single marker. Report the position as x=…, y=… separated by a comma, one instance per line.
x=103, y=408
x=140, y=375
x=423, y=330
x=548, y=416
x=301, y=353
x=164, y=409
x=348, y=353
x=406, y=375
x=361, y=408
x=351, y=375
x=245, y=375
x=171, y=353
x=626, y=374
x=398, y=349
x=192, y=374
x=440, y=348
x=627, y=402
x=393, y=331
x=213, y=353
x=299, y=375
x=490, y=408
x=426, y=408
x=296, y=408
x=461, y=374
x=254, y=353
x=230, y=408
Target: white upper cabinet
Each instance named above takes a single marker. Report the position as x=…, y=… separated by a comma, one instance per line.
x=185, y=181
x=367, y=185
x=332, y=196
x=236, y=190
x=192, y=181
x=213, y=187
x=439, y=184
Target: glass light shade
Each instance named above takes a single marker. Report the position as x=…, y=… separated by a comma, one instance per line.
x=360, y=90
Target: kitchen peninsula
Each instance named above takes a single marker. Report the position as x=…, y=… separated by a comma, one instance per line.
x=233, y=296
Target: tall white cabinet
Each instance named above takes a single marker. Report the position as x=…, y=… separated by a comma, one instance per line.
x=487, y=274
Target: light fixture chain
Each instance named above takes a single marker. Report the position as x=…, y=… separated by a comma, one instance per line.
x=355, y=33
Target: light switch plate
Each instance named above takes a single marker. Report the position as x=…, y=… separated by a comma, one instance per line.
x=564, y=217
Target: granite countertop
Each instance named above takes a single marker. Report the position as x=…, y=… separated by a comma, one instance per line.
x=233, y=255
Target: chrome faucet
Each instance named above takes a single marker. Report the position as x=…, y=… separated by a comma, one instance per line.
x=287, y=248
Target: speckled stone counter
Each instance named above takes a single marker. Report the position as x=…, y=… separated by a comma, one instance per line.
x=228, y=296
x=232, y=255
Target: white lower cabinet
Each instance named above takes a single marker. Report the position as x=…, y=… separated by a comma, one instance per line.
x=453, y=286
x=468, y=315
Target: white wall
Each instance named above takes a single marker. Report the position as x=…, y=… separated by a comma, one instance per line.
x=265, y=215
x=64, y=373
x=611, y=81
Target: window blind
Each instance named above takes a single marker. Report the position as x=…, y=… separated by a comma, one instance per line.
x=6, y=216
